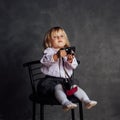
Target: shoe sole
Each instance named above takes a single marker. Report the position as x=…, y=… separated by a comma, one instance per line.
x=69, y=108
x=90, y=106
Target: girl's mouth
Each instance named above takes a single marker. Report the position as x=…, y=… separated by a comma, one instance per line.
x=59, y=41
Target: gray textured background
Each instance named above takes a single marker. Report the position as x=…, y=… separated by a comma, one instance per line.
x=93, y=26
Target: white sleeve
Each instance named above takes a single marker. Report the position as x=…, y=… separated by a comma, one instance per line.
x=47, y=58
x=72, y=65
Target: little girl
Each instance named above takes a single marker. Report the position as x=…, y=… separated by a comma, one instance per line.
x=52, y=67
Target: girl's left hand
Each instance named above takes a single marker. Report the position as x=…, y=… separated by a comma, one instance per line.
x=63, y=53
x=70, y=58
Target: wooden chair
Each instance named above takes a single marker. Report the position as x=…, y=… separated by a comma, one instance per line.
x=36, y=75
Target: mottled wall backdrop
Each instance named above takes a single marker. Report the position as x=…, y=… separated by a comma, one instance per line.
x=93, y=26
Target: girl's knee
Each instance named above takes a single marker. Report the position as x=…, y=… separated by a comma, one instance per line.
x=59, y=86
x=75, y=86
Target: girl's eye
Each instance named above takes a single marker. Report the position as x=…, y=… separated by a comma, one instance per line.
x=54, y=37
x=62, y=36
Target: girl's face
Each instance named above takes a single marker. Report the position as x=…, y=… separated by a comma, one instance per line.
x=58, y=39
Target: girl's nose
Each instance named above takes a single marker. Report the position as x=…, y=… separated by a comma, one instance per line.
x=58, y=37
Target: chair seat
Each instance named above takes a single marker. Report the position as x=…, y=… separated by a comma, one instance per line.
x=49, y=100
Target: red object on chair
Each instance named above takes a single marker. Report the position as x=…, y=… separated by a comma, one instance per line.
x=71, y=91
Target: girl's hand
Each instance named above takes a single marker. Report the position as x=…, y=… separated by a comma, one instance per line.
x=63, y=53
x=70, y=58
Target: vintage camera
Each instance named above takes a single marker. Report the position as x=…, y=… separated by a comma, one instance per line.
x=69, y=50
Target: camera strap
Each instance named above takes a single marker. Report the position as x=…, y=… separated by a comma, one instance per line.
x=61, y=62
x=73, y=88
x=64, y=69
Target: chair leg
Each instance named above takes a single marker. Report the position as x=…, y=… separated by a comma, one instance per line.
x=81, y=110
x=33, y=111
x=73, y=114
x=41, y=112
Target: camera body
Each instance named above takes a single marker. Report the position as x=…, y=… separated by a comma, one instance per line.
x=69, y=50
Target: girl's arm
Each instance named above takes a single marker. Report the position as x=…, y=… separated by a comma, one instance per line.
x=49, y=57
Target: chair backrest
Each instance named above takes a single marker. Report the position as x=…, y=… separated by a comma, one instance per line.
x=35, y=73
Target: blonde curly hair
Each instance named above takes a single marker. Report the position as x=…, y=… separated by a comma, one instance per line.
x=48, y=37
